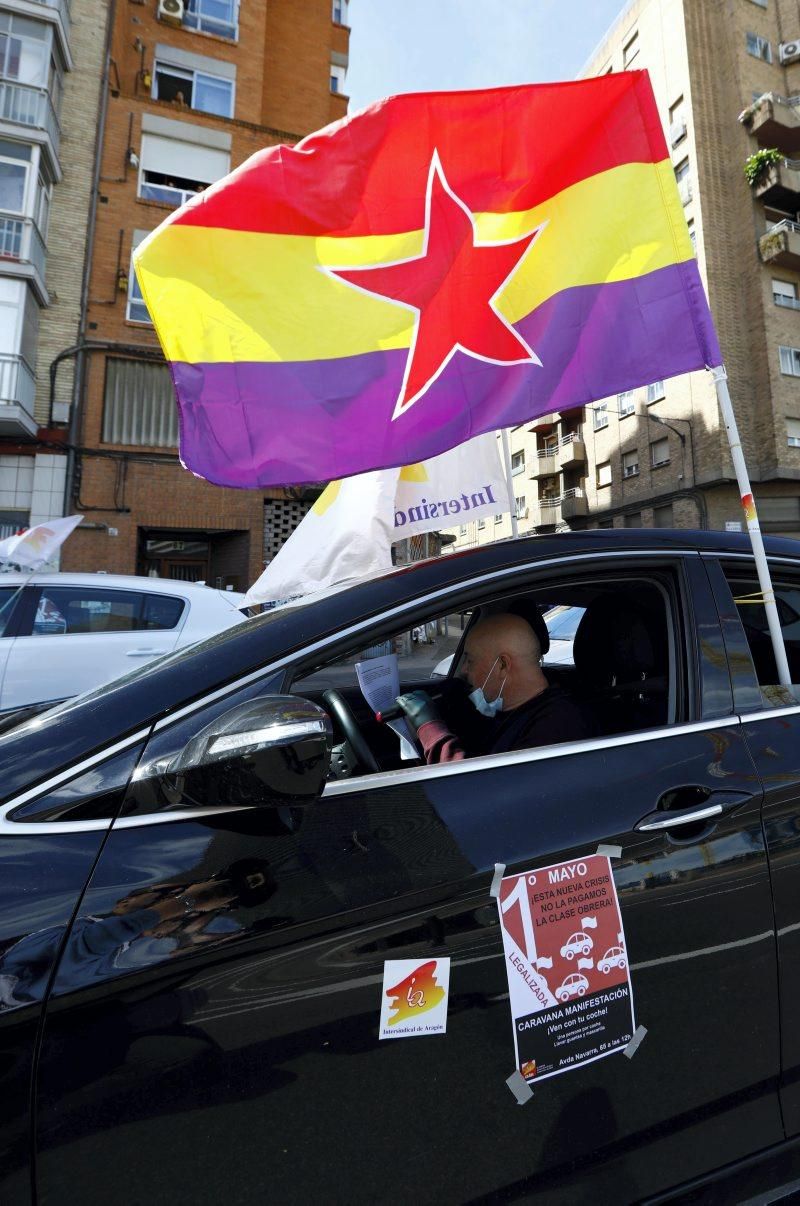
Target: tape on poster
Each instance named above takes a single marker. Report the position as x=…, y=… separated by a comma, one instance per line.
x=633, y=1045
x=609, y=851
x=499, y=872
x=520, y=1088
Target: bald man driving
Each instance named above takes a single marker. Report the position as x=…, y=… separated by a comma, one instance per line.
x=502, y=663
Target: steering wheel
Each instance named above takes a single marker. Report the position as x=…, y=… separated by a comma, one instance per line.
x=343, y=713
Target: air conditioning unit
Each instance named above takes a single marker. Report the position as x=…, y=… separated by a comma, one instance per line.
x=677, y=131
x=789, y=52
x=170, y=11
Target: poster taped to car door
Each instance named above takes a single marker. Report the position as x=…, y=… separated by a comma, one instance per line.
x=567, y=965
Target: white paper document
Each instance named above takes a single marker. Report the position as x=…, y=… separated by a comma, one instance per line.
x=379, y=680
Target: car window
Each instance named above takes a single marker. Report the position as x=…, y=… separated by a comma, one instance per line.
x=69, y=610
x=562, y=622
x=623, y=671
x=752, y=613
x=7, y=596
x=424, y=650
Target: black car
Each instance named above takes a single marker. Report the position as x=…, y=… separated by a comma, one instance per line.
x=205, y=866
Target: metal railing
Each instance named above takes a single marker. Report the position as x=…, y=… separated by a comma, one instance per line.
x=575, y=492
x=548, y=450
x=17, y=382
x=20, y=240
x=784, y=224
x=792, y=101
x=167, y=194
x=29, y=106
x=550, y=504
x=573, y=437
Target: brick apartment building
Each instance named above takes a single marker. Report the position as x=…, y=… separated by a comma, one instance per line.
x=194, y=88
x=657, y=456
x=51, y=56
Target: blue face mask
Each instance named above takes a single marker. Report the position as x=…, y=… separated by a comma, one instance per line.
x=483, y=705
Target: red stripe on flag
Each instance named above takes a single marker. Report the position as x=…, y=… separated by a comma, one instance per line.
x=502, y=150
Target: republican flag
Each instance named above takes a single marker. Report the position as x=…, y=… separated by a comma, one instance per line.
x=433, y=267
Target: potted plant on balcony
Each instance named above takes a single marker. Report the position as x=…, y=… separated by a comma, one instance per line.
x=759, y=163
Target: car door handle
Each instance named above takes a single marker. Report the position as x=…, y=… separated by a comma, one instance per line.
x=716, y=803
x=140, y=652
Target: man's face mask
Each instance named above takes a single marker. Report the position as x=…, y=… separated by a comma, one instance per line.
x=485, y=706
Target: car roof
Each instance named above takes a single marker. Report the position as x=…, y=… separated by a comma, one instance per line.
x=169, y=586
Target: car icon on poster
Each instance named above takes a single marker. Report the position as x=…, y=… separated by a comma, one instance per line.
x=574, y=986
x=576, y=944
x=614, y=957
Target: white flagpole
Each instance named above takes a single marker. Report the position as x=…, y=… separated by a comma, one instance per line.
x=720, y=377
x=509, y=482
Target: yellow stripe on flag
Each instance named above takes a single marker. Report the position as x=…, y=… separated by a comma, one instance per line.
x=228, y=295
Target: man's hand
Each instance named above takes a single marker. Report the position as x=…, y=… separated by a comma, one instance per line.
x=418, y=707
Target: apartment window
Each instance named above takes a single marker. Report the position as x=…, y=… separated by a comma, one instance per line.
x=662, y=516
x=339, y=12
x=784, y=293
x=630, y=463
x=139, y=404
x=600, y=416
x=633, y=519
x=171, y=171
x=760, y=3
x=136, y=310
x=498, y=518
x=659, y=452
x=520, y=506
x=630, y=51
x=481, y=524
x=677, y=122
x=24, y=50
x=682, y=170
x=337, y=77
x=759, y=47
x=790, y=361
x=199, y=90
x=13, y=184
x=692, y=234
x=793, y=433
x=604, y=474
x=655, y=391
x=625, y=403
x=220, y=17
x=517, y=463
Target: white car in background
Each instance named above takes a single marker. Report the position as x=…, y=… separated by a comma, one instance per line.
x=62, y=634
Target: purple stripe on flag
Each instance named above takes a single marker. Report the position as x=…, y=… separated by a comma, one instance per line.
x=251, y=424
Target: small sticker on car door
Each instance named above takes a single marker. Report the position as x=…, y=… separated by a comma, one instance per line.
x=414, y=997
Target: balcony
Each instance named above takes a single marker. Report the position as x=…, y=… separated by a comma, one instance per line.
x=574, y=505
x=23, y=253
x=24, y=105
x=780, y=246
x=571, y=451
x=780, y=185
x=776, y=122
x=17, y=393
x=546, y=463
x=543, y=421
x=546, y=512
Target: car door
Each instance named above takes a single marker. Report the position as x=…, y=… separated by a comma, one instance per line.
x=236, y=1044
x=85, y=635
x=14, y=618
x=772, y=728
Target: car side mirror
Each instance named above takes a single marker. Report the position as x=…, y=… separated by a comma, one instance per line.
x=273, y=751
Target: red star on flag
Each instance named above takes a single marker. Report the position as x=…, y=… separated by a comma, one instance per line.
x=453, y=287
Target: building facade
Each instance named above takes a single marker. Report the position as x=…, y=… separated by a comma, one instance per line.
x=51, y=55
x=194, y=88
x=658, y=456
